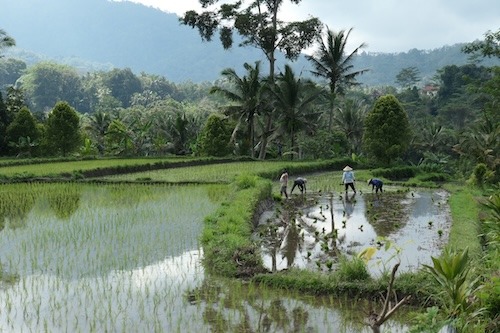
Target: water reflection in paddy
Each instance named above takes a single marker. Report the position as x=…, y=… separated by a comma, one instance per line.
x=127, y=259
x=409, y=227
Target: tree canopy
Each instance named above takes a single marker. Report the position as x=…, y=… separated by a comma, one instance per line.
x=387, y=130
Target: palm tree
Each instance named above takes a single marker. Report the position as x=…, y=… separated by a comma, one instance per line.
x=480, y=143
x=331, y=63
x=5, y=40
x=293, y=104
x=98, y=124
x=245, y=93
x=350, y=120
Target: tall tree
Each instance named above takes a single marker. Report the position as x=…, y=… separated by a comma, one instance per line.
x=97, y=127
x=408, y=77
x=387, y=130
x=46, y=83
x=245, y=93
x=215, y=137
x=349, y=119
x=63, y=132
x=294, y=97
x=489, y=47
x=122, y=84
x=10, y=71
x=22, y=131
x=332, y=62
x=259, y=26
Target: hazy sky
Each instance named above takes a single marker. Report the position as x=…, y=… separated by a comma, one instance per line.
x=387, y=25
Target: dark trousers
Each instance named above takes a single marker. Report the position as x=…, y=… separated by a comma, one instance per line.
x=347, y=185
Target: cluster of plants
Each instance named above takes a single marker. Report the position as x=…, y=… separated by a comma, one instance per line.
x=280, y=115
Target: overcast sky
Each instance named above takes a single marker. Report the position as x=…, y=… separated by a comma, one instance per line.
x=387, y=25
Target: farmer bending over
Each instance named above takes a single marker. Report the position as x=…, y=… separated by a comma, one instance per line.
x=376, y=184
x=300, y=183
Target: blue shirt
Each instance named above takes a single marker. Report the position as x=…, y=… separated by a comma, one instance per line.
x=348, y=177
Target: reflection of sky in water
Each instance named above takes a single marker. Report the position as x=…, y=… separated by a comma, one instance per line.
x=125, y=270
x=414, y=243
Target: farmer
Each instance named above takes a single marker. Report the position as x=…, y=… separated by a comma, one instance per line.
x=376, y=184
x=348, y=178
x=300, y=183
x=284, y=183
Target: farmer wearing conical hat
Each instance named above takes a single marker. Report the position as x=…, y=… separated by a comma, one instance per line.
x=348, y=178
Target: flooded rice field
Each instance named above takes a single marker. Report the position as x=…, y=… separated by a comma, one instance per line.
x=89, y=258
x=310, y=231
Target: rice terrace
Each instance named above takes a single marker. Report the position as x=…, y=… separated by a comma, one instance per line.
x=207, y=245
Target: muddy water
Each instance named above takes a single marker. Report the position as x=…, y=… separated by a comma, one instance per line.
x=407, y=226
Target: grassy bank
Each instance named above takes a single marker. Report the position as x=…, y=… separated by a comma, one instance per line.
x=465, y=215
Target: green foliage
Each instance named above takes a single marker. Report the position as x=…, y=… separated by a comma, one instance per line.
x=122, y=84
x=408, y=77
x=323, y=145
x=47, y=83
x=226, y=239
x=451, y=271
x=245, y=94
x=396, y=173
x=430, y=321
x=22, y=127
x=353, y=269
x=464, y=212
x=214, y=140
x=245, y=181
x=489, y=47
x=491, y=224
x=63, y=132
x=6, y=40
x=481, y=175
x=262, y=30
x=387, y=130
x=489, y=295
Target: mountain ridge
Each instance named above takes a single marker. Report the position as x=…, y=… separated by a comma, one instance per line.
x=101, y=34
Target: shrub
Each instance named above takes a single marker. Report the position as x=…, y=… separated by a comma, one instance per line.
x=352, y=269
x=396, y=173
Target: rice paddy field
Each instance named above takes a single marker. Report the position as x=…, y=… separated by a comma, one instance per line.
x=126, y=258
x=209, y=173
x=56, y=168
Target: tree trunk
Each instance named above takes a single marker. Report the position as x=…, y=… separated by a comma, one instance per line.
x=263, y=142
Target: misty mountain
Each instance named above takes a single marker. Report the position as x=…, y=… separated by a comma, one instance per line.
x=101, y=34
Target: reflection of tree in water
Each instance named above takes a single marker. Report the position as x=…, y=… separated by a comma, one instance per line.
x=15, y=206
x=65, y=203
x=254, y=313
x=281, y=233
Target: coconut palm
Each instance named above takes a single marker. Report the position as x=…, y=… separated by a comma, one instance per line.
x=293, y=99
x=332, y=63
x=97, y=126
x=349, y=119
x=245, y=93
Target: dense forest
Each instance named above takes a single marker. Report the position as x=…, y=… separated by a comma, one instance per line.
x=259, y=108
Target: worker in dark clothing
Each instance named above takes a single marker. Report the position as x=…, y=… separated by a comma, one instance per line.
x=376, y=184
x=300, y=183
